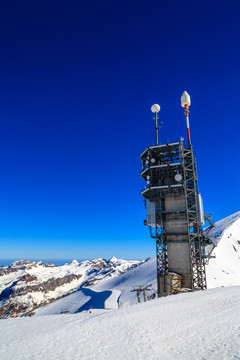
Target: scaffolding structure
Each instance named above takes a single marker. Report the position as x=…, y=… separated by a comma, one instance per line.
x=174, y=214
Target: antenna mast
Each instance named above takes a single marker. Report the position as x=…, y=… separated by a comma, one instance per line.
x=186, y=102
x=155, y=109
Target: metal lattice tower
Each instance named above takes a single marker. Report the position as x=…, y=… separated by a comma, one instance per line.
x=195, y=233
x=175, y=213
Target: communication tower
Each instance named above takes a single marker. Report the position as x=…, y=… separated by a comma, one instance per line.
x=175, y=211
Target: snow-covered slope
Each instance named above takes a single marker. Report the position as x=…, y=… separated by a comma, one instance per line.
x=224, y=267
x=119, y=290
x=200, y=325
x=223, y=225
x=27, y=285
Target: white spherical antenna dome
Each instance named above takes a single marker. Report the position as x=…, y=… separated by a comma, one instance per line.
x=178, y=177
x=155, y=108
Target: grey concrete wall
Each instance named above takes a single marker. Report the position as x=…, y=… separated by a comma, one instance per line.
x=178, y=251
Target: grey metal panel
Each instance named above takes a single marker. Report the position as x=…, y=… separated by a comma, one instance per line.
x=161, y=146
x=164, y=165
x=151, y=213
x=201, y=210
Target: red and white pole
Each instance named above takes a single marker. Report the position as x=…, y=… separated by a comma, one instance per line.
x=186, y=108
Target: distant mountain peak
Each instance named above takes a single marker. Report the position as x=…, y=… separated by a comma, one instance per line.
x=75, y=262
x=26, y=285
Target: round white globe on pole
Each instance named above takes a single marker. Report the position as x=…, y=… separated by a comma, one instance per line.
x=155, y=108
x=178, y=177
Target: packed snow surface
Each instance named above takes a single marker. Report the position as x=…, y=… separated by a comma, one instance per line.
x=200, y=325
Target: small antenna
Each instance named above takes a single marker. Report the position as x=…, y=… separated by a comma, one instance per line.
x=186, y=102
x=155, y=109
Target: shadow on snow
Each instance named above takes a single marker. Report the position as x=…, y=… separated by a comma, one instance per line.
x=97, y=300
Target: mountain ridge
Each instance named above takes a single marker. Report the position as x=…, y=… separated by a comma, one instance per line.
x=27, y=285
x=29, y=288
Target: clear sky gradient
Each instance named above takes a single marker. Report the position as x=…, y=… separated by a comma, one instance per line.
x=78, y=79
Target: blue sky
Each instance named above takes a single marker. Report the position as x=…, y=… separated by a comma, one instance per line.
x=78, y=80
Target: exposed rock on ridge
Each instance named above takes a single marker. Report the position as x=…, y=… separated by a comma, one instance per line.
x=27, y=285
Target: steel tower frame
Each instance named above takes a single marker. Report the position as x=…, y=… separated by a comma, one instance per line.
x=174, y=158
x=195, y=234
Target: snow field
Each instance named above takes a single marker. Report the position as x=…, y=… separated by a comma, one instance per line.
x=144, y=274
x=224, y=268
x=200, y=325
x=113, y=301
x=69, y=304
x=119, y=286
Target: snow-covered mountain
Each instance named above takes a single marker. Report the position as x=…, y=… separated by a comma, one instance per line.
x=110, y=292
x=199, y=325
x=27, y=285
x=34, y=288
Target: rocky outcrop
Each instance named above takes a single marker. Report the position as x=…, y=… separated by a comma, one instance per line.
x=27, y=285
x=27, y=291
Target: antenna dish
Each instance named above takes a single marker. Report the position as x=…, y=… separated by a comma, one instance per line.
x=178, y=177
x=185, y=99
x=155, y=108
